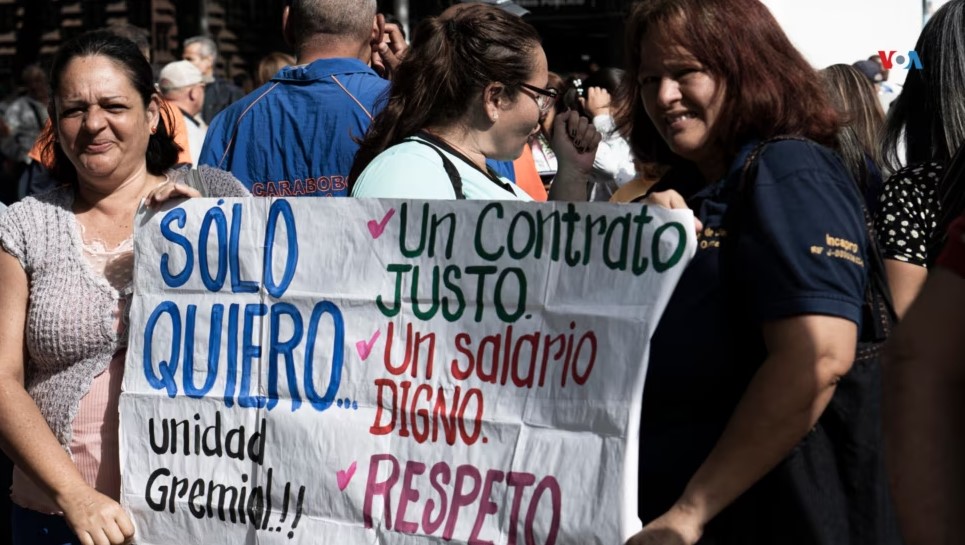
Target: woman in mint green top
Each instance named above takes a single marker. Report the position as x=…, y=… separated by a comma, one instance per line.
x=471, y=88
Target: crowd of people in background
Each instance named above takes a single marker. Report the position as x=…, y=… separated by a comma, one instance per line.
x=829, y=205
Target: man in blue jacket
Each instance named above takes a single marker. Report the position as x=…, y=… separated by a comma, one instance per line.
x=295, y=135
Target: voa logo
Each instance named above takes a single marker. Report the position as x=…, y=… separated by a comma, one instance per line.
x=889, y=59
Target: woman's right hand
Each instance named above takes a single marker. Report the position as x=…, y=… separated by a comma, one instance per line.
x=96, y=518
x=170, y=190
x=672, y=200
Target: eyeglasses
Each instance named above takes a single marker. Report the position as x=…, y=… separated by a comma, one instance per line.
x=545, y=98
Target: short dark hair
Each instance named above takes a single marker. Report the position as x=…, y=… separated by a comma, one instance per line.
x=769, y=88
x=310, y=19
x=162, y=151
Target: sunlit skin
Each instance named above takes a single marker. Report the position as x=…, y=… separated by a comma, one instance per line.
x=519, y=119
x=103, y=125
x=498, y=124
x=683, y=101
x=505, y=125
x=806, y=354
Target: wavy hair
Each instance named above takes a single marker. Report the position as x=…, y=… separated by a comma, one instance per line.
x=162, y=151
x=451, y=60
x=769, y=88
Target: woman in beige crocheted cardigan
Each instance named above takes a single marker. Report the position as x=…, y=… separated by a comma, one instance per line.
x=65, y=272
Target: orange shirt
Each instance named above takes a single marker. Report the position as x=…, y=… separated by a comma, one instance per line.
x=40, y=153
x=175, y=121
x=527, y=177
x=172, y=119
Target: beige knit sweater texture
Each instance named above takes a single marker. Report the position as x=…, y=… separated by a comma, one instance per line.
x=70, y=332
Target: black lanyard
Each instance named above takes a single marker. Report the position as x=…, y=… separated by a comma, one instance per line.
x=437, y=142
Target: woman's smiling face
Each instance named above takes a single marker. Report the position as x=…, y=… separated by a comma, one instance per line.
x=682, y=100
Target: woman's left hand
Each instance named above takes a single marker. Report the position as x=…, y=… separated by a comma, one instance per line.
x=169, y=190
x=675, y=527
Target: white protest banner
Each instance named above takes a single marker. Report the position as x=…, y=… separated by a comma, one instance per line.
x=365, y=371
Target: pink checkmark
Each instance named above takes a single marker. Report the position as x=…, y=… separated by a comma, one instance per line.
x=365, y=348
x=376, y=228
x=343, y=477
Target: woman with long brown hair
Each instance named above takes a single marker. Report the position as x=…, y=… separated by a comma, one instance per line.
x=854, y=97
x=472, y=87
x=66, y=266
x=742, y=440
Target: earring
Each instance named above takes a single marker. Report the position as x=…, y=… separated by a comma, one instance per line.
x=495, y=117
x=154, y=129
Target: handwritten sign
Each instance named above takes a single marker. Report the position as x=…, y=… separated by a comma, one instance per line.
x=362, y=371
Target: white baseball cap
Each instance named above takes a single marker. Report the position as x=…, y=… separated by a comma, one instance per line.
x=177, y=75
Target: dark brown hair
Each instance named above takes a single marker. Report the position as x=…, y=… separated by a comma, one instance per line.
x=162, y=151
x=451, y=60
x=769, y=89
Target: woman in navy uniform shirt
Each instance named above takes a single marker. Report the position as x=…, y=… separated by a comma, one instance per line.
x=766, y=319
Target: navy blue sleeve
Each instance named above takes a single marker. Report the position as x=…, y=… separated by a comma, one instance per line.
x=804, y=240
